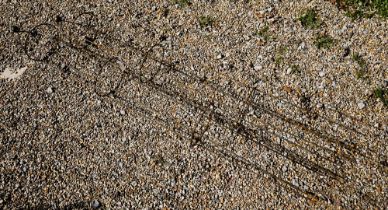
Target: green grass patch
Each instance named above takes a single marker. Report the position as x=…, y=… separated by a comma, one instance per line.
x=382, y=94
x=206, y=21
x=182, y=3
x=310, y=20
x=358, y=14
x=361, y=73
x=264, y=33
x=279, y=55
x=324, y=41
x=358, y=9
x=295, y=69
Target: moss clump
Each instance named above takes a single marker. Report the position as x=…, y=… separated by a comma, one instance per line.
x=310, y=20
x=324, y=41
x=264, y=33
x=361, y=72
x=205, y=21
x=382, y=94
x=182, y=3
x=358, y=9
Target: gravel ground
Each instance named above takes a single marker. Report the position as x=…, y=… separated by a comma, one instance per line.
x=176, y=105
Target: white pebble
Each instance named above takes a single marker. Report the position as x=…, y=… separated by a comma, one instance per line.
x=289, y=70
x=95, y=204
x=258, y=67
x=361, y=105
x=302, y=46
x=49, y=90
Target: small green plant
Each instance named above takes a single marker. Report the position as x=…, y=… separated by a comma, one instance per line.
x=382, y=94
x=310, y=20
x=360, y=74
x=182, y=3
x=264, y=33
x=358, y=9
x=205, y=21
x=358, y=14
x=279, y=55
x=381, y=6
x=278, y=59
x=295, y=69
x=357, y=58
x=324, y=41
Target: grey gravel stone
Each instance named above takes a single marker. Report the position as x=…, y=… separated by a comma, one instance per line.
x=49, y=90
x=95, y=204
x=361, y=105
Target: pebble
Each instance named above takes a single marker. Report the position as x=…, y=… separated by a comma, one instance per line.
x=302, y=46
x=257, y=67
x=295, y=182
x=361, y=105
x=49, y=90
x=289, y=70
x=279, y=104
x=321, y=73
x=96, y=204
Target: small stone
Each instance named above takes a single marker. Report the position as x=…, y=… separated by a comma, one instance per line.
x=261, y=14
x=49, y=90
x=321, y=85
x=295, y=182
x=279, y=104
x=361, y=105
x=257, y=67
x=302, y=46
x=289, y=70
x=343, y=29
x=122, y=112
x=288, y=89
x=321, y=73
x=259, y=83
x=95, y=204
